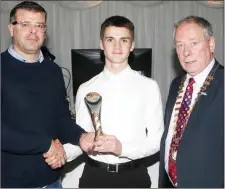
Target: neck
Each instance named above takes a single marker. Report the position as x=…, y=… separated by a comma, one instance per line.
x=30, y=58
x=116, y=68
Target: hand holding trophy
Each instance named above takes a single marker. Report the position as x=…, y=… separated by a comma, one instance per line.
x=93, y=101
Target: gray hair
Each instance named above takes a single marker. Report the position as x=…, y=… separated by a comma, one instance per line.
x=203, y=23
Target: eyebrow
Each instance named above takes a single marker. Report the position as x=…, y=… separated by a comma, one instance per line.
x=40, y=22
x=120, y=38
x=191, y=39
x=125, y=38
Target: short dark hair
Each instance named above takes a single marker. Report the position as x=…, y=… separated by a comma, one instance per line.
x=203, y=23
x=27, y=5
x=117, y=21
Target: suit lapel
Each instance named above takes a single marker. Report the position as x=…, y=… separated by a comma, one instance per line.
x=169, y=109
x=204, y=100
x=168, y=112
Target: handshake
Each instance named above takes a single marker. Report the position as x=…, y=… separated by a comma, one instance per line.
x=56, y=155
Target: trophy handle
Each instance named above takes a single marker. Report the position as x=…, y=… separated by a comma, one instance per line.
x=97, y=124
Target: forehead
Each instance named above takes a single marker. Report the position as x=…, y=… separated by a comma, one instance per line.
x=117, y=32
x=29, y=15
x=189, y=31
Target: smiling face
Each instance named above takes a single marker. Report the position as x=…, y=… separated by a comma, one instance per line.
x=193, y=49
x=27, y=41
x=117, y=43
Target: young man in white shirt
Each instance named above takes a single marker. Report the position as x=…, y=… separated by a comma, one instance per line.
x=131, y=104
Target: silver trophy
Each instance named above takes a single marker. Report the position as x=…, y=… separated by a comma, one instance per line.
x=93, y=101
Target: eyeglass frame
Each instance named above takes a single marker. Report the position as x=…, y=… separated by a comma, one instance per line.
x=29, y=23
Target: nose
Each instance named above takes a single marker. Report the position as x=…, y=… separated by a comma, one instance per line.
x=33, y=29
x=117, y=45
x=187, y=50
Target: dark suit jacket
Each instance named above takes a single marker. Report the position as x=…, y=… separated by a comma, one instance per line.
x=200, y=158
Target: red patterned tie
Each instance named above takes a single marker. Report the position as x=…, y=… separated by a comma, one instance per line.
x=180, y=126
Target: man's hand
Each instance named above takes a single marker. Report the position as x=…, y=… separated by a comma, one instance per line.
x=107, y=144
x=86, y=141
x=56, y=156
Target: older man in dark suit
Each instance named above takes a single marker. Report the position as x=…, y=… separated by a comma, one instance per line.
x=192, y=146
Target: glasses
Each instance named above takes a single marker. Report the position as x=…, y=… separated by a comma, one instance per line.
x=26, y=26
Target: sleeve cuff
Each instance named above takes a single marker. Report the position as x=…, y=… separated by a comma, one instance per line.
x=72, y=151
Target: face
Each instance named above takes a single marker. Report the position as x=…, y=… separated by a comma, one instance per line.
x=117, y=45
x=193, y=50
x=28, y=41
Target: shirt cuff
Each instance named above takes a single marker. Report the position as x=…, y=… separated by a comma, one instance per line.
x=72, y=151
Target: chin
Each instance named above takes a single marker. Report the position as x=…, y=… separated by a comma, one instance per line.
x=190, y=67
x=192, y=72
x=33, y=47
x=118, y=62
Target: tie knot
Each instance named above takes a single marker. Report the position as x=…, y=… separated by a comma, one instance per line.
x=191, y=81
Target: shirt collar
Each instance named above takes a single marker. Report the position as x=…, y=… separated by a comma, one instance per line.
x=200, y=78
x=126, y=71
x=19, y=57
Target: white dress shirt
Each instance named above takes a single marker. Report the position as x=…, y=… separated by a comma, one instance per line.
x=131, y=103
x=199, y=80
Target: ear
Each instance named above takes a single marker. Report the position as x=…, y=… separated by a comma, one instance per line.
x=132, y=46
x=101, y=45
x=10, y=28
x=212, y=44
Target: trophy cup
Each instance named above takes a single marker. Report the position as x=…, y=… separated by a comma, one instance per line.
x=93, y=101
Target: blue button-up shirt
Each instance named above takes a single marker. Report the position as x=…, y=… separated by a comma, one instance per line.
x=19, y=57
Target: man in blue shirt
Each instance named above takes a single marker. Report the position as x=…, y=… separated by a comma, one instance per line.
x=35, y=114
